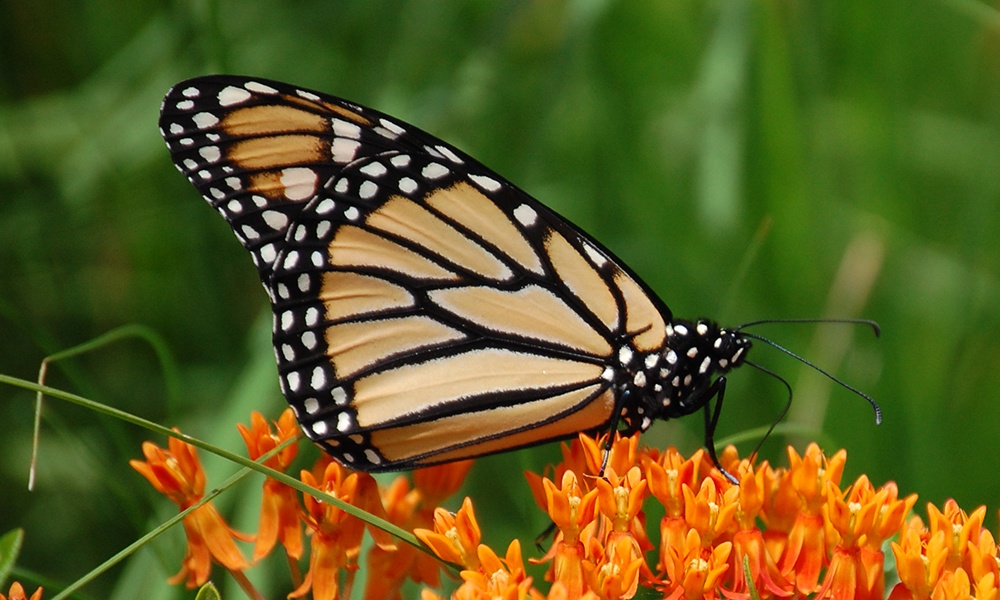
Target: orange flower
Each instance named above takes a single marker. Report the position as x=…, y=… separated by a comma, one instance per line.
x=279, y=508
x=455, y=538
x=709, y=512
x=805, y=554
x=17, y=593
x=983, y=558
x=388, y=567
x=622, y=456
x=177, y=474
x=667, y=477
x=959, y=529
x=260, y=440
x=862, y=521
x=955, y=585
x=920, y=561
x=620, y=498
x=748, y=542
x=336, y=535
x=573, y=513
x=616, y=573
x=694, y=573
x=496, y=578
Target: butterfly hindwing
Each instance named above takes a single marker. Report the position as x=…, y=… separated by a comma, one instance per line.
x=446, y=314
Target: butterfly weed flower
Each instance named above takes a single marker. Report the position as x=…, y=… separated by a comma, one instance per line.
x=947, y=558
x=17, y=593
x=572, y=510
x=336, y=535
x=412, y=509
x=805, y=552
x=279, y=507
x=455, y=537
x=177, y=474
x=501, y=578
x=780, y=533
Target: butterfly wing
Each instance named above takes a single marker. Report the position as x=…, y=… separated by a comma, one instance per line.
x=425, y=309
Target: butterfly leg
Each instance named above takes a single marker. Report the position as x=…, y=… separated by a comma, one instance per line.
x=717, y=389
x=620, y=403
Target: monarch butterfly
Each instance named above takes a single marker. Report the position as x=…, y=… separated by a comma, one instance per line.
x=425, y=309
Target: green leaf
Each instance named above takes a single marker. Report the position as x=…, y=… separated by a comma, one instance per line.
x=10, y=547
x=208, y=592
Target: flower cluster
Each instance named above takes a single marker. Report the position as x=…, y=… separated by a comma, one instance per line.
x=335, y=537
x=781, y=532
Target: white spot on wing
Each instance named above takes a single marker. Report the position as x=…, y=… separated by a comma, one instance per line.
x=274, y=219
x=256, y=86
x=374, y=169
x=407, y=185
x=339, y=395
x=342, y=128
x=394, y=128
x=318, y=380
x=342, y=150
x=367, y=190
x=204, y=120
x=299, y=182
x=309, y=340
x=595, y=257
x=434, y=171
x=230, y=95
x=447, y=153
x=625, y=355
x=487, y=183
x=525, y=215
x=268, y=253
x=343, y=422
x=325, y=206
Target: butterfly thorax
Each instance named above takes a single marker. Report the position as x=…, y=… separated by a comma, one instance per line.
x=676, y=381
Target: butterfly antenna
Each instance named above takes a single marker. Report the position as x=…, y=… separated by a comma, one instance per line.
x=784, y=411
x=775, y=345
x=875, y=328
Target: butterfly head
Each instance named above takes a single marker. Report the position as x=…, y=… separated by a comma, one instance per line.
x=695, y=354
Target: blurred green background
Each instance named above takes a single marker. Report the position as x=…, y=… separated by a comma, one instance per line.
x=748, y=159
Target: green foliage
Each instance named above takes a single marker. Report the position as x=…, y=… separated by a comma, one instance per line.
x=208, y=592
x=10, y=547
x=747, y=159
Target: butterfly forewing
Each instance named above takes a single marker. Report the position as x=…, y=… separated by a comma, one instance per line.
x=425, y=309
